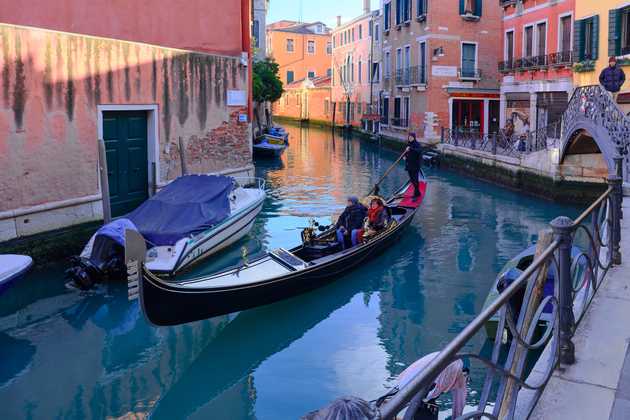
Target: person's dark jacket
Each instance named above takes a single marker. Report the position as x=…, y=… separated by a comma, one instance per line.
x=352, y=217
x=612, y=78
x=413, y=158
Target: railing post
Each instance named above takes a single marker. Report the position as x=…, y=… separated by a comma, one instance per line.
x=441, y=134
x=456, y=137
x=494, y=143
x=615, y=181
x=562, y=227
x=473, y=142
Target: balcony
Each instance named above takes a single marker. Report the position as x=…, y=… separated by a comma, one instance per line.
x=469, y=74
x=412, y=76
x=400, y=123
x=540, y=62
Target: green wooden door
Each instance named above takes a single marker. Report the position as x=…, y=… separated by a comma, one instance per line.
x=125, y=136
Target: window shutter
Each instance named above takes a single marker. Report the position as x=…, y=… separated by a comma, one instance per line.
x=595, y=37
x=462, y=7
x=578, y=40
x=478, y=5
x=614, y=32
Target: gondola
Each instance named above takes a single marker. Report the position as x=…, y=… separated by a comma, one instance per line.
x=278, y=275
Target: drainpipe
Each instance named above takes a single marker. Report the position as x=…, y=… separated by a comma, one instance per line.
x=246, y=22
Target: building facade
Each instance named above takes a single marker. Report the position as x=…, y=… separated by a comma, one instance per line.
x=68, y=82
x=536, y=65
x=307, y=100
x=438, y=66
x=602, y=30
x=302, y=50
x=353, y=89
x=259, y=25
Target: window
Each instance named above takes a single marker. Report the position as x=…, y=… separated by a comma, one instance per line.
x=470, y=8
x=376, y=73
x=360, y=71
x=422, y=72
x=387, y=16
x=398, y=59
x=469, y=60
x=385, y=111
x=376, y=32
x=406, y=107
x=360, y=31
x=541, y=33
x=623, y=32
x=586, y=35
x=352, y=34
x=290, y=45
x=388, y=65
x=528, y=41
x=290, y=76
x=371, y=28
x=326, y=106
x=566, y=27
x=311, y=74
x=399, y=4
x=509, y=47
x=407, y=65
x=335, y=41
x=320, y=28
x=329, y=73
x=406, y=10
x=256, y=33
x=421, y=8
x=310, y=46
x=397, y=112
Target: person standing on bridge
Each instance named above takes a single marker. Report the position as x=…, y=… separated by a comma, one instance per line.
x=413, y=161
x=612, y=78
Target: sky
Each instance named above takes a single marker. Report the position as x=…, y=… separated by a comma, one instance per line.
x=316, y=10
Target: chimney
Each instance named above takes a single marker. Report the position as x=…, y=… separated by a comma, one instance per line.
x=338, y=20
x=366, y=6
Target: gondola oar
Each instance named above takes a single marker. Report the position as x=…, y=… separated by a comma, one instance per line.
x=376, y=188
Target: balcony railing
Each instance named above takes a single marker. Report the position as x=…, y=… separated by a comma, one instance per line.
x=469, y=74
x=558, y=59
x=416, y=75
x=400, y=122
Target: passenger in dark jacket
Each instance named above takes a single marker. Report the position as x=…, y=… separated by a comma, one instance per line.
x=413, y=162
x=351, y=222
x=612, y=77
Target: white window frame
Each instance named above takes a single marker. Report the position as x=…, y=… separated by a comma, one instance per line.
x=536, y=40
x=505, y=44
x=399, y=55
x=388, y=64
x=292, y=46
x=401, y=109
x=461, y=54
x=308, y=44
x=311, y=71
x=533, y=26
x=426, y=60
x=559, y=31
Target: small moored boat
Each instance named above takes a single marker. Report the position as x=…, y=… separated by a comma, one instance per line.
x=12, y=268
x=270, y=146
x=190, y=219
x=516, y=266
x=278, y=275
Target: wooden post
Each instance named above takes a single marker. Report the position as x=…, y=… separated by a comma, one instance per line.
x=154, y=185
x=103, y=173
x=182, y=157
x=545, y=238
x=334, y=114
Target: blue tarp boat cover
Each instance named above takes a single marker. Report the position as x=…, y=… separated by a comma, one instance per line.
x=187, y=206
x=116, y=230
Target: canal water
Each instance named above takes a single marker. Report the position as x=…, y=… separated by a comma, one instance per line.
x=69, y=355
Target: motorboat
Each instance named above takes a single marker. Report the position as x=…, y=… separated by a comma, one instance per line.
x=278, y=275
x=270, y=146
x=187, y=221
x=513, y=270
x=13, y=268
x=278, y=132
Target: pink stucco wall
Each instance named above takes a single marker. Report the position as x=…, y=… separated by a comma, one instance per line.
x=51, y=84
x=212, y=26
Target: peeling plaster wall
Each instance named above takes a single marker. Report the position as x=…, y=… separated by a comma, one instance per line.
x=51, y=84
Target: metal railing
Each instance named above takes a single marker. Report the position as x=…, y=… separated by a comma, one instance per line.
x=521, y=331
x=557, y=59
x=416, y=75
x=400, y=122
x=468, y=74
x=503, y=143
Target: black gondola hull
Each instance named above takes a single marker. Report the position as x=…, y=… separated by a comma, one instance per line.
x=168, y=304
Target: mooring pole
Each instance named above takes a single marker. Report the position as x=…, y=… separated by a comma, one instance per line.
x=182, y=157
x=104, y=177
x=562, y=227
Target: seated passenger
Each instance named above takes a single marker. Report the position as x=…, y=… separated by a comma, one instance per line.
x=377, y=215
x=350, y=222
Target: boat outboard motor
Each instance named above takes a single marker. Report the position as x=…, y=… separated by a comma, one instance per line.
x=103, y=257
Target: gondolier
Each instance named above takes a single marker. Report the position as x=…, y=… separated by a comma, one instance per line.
x=413, y=160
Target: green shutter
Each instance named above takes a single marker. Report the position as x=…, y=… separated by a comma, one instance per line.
x=478, y=5
x=595, y=37
x=614, y=32
x=578, y=40
x=462, y=7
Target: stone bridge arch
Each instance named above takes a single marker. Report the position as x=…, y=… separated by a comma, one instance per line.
x=593, y=122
